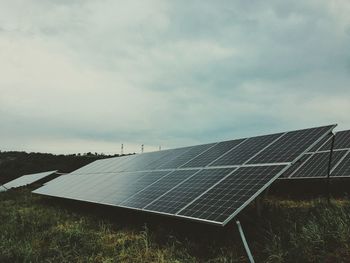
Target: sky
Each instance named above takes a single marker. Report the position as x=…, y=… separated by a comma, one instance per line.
x=89, y=75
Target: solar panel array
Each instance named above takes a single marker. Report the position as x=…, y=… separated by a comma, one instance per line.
x=314, y=164
x=27, y=179
x=209, y=183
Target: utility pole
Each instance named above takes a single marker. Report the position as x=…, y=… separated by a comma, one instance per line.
x=142, y=146
x=122, y=149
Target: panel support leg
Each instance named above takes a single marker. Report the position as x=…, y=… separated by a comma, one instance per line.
x=259, y=206
x=250, y=256
x=330, y=168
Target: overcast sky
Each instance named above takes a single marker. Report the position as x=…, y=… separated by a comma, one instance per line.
x=78, y=76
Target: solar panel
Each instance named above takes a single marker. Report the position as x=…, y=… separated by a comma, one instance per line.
x=296, y=165
x=290, y=146
x=209, y=183
x=192, y=153
x=27, y=179
x=214, y=153
x=125, y=191
x=343, y=168
x=317, y=164
x=224, y=200
x=321, y=143
x=341, y=141
x=246, y=150
x=172, y=201
x=114, y=164
x=141, y=161
x=155, y=190
x=172, y=155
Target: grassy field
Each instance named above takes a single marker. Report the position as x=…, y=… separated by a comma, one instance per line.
x=38, y=229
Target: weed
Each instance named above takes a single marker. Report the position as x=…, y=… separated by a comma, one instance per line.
x=32, y=230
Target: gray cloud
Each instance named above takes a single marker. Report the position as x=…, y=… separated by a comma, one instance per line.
x=89, y=75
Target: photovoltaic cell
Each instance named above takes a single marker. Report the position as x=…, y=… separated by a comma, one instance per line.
x=317, y=165
x=56, y=186
x=91, y=188
x=215, y=152
x=341, y=141
x=116, y=193
x=141, y=161
x=84, y=189
x=291, y=145
x=343, y=169
x=246, y=150
x=182, y=194
x=160, y=187
x=187, y=156
x=168, y=158
x=321, y=143
x=115, y=164
x=96, y=166
x=222, y=201
x=296, y=165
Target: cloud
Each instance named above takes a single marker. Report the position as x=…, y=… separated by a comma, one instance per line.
x=90, y=75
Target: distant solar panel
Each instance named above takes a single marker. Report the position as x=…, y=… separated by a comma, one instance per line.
x=315, y=163
x=290, y=146
x=209, y=183
x=27, y=179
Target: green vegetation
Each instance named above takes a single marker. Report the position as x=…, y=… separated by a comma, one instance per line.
x=38, y=229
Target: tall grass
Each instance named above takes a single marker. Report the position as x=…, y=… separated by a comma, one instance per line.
x=33, y=230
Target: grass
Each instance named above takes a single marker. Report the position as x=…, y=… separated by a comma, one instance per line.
x=38, y=229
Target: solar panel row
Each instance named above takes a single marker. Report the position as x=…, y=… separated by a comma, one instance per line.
x=209, y=183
